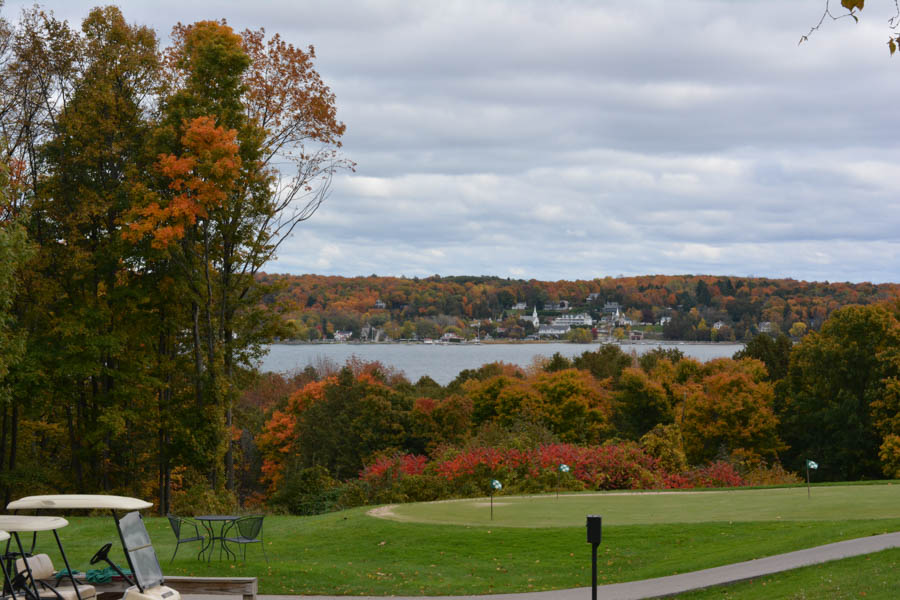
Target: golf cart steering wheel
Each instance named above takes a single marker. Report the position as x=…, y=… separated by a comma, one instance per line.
x=102, y=554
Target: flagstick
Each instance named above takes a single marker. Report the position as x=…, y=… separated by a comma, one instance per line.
x=807, y=479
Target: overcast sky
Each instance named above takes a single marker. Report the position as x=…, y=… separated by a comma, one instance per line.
x=575, y=139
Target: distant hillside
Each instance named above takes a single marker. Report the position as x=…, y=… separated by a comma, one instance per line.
x=686, y=307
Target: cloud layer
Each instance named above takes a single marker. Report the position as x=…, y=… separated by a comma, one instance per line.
x=580, y=139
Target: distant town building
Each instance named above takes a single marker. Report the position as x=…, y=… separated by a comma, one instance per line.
x=373, y=334
x=380, y=303
x=766, y=327
x=611, y=308
x=553, y=330
x=519, y=306
x=533, y=319
x=342, y=336
x=574, y=320
x=557, y=306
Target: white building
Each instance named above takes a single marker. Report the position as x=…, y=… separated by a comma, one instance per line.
x=582, y=319
x=533, y=318
x=553, y=330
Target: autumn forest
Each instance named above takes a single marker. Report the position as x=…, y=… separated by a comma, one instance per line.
x=143, y=191
x=690, y=306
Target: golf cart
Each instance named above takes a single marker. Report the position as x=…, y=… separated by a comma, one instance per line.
x=147, y=582
x=29, y=573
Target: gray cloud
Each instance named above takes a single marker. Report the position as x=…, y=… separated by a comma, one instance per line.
x=579, y=139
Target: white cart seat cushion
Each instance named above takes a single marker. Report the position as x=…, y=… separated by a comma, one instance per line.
x=68, y=593
x=42, y=569
x=40, y=564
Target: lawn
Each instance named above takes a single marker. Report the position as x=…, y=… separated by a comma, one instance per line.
x=645, y=536
x=825, y=503
x=873, y=576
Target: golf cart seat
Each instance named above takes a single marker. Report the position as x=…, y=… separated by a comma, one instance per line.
x=42, y=571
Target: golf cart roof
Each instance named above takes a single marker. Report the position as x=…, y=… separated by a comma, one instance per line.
x=19, y=523
x=3, y=536
x=78, y=501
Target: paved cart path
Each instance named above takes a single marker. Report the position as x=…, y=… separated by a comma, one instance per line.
x=665, y=586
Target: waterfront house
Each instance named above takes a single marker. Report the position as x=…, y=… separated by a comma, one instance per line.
x=574, y=320
x=553, y=330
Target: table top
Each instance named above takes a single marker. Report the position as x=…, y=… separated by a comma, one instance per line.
x=216, y=517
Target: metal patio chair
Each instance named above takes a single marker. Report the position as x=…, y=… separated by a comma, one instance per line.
x=246, y=530
x=182, y=528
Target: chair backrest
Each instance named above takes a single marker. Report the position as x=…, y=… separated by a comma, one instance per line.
x=250, y=527
x=175, y=522
x=40, y=564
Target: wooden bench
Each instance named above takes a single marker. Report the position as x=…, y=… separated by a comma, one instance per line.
x=215, y=586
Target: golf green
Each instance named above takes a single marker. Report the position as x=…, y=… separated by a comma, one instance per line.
x=827, y=503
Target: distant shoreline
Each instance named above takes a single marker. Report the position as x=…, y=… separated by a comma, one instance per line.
x=507, y=343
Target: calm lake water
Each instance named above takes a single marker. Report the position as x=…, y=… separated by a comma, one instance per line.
x=444, y=362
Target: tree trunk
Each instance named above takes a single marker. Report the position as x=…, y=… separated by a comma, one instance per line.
x=13, y=428
x=3, y=432
x=198, y=360
x=75, y=447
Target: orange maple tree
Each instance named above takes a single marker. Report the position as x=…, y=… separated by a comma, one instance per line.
x=199, y=181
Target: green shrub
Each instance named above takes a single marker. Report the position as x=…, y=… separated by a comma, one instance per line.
x=307, y=491
x=763, y=474
x=199, y=499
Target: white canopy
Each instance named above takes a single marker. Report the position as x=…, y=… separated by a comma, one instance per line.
x=18, y=523
x=78, y=501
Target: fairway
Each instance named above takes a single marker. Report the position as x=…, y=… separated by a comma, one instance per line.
x=828, y=503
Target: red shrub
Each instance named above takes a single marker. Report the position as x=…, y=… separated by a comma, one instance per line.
x=717, y=474
x=394, y=467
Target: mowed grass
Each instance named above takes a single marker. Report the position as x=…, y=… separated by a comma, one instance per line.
x=779, y=504
x=352, y=553
x=873, y=576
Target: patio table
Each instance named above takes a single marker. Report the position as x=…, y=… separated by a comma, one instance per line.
x=208, y=522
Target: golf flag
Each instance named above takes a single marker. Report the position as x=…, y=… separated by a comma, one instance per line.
x=811, y=464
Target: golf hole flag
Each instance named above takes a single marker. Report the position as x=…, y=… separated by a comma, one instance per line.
x=810, y=464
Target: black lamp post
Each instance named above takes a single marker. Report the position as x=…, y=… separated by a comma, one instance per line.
x=594, y=534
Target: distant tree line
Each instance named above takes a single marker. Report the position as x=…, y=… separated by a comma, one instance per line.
x=689, y=307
